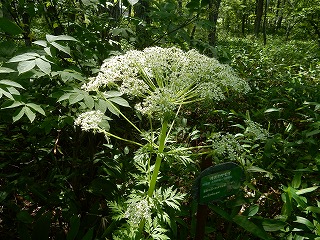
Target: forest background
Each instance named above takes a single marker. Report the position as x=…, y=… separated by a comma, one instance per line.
x=60, y=182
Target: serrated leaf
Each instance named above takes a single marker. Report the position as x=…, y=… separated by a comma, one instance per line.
x=60, y=47
x=64, y=97
x=75, y=97
x=120, y=101
x=6, y=70
x=88, y=100
x=52, y=38
x=11, y=83
x=101, y=105
x=36, y=107
x=31, y=115
x=26, y=66
x=7, y=94
x=19, y=115
x=104, y=125
x=67, y=75
x=13, y=91
x=24, y=57
x=41, y=43
x=43, y=65
x=112, y=108
x=14, y=104
x=48, y=51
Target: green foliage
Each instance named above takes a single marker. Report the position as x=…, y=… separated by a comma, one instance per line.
x=59, y=182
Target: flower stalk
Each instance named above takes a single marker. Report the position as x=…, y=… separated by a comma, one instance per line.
x=162, y=141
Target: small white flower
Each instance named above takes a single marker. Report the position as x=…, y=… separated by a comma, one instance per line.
x=137, y=211
x=157, y=77
x=90, y=120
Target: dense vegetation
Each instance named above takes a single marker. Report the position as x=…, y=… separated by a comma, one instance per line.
x=172, y=99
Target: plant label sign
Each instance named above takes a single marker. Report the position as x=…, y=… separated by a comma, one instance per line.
x=218, y=182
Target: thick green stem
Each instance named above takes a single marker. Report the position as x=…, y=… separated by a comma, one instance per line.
x=162, y=140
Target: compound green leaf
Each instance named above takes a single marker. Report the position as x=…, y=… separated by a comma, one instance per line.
x=88, y=100
x=26, y=66
x=36, y=107
x=30, y=114
x=19, y=115
x=11, y=83
x=43, y=65
x=24, y=57
x=6, y=70
x=60, y=47
x=7, y=94
x=75, y=97
x=120, y=101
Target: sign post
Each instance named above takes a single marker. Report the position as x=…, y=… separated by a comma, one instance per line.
x=215, y=183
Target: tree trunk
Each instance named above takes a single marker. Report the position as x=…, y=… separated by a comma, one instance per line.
x=259, y=14
x=244, y=18
x=214, y=6
x=280, y=16
x=265, y=22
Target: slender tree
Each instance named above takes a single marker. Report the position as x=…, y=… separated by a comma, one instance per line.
x=259, y=14
x=214, y=6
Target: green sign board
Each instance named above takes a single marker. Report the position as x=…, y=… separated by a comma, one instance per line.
x=218, y=182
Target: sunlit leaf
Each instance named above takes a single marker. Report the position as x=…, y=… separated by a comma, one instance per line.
x=60, y=47
x=24, y=57
x=26, y=66
x=120, y=101
x=11, y=83
x=41, y=43
x=36, y=107
x=43, y=65
x=52, y=38
x=30, y=114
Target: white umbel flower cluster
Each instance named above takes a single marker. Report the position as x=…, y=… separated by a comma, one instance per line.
x=255, y=131
x=163, y=78
x=137, y=211
x=90, y=121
